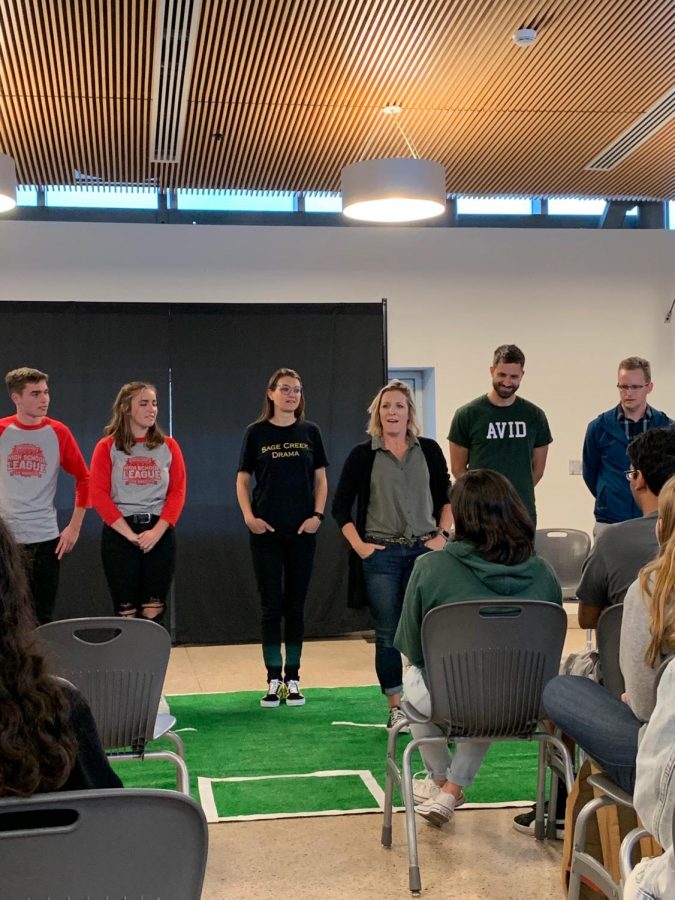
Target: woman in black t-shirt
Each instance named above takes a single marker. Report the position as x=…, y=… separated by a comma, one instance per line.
x=283, y=513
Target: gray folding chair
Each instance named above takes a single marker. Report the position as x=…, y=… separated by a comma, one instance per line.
x=119, y=666
x=608, y=632
x=565, y=549
x=486, y=664
x=108, y=843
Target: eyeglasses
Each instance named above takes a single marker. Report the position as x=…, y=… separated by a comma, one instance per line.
x=630, y=387
x=289, y=389
x=631, y=474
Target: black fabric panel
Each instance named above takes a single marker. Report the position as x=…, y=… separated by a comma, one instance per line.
x=89, y=351
x=221, y=358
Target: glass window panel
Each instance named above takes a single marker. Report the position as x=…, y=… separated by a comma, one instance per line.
x=26, y=195
x=575, y=206
x=330, y=203
x=494, y=206
x=101, y=198
x=220, y=201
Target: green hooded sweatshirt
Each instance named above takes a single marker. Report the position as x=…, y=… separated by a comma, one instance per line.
x=458, y=573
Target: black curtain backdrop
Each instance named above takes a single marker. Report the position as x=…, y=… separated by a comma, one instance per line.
x=210, y=363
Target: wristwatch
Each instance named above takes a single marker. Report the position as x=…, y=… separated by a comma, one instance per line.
x=446, y=534
x=320, y=516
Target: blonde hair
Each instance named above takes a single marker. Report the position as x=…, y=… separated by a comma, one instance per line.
x=657, y=581
x=374, y=428
x=118, y=426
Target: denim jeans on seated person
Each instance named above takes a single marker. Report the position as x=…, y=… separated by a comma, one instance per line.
x=386, y=574
x=599, y=722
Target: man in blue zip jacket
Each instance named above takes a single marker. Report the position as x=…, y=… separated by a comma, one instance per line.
x=605, y=460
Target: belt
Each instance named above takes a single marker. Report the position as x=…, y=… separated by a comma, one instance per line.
x=139, y=518
x=404, y=541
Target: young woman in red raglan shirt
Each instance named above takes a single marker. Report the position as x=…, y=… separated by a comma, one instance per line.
x=138, y=489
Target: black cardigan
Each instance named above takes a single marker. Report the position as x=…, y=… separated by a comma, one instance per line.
x=354, y=484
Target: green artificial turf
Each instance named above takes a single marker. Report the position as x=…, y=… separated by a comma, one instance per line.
x=231, y=736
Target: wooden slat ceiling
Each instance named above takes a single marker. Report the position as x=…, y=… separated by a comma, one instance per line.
x=284, y=93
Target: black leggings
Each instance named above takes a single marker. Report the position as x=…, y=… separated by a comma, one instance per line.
x=137, y=579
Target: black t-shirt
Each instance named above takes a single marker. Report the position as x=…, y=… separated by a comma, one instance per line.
x=283, y=459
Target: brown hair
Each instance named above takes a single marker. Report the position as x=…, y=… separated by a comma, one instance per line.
x=17, y=379
x=657, y=581
x=637, y=362
x=37, y=746
x=375, y=425
x=489, y=514
x=119, y=427
x=508, y=353
x=268, y=405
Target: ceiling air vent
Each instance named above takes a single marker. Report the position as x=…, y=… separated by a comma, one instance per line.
x=635, y=135
x=175, y=39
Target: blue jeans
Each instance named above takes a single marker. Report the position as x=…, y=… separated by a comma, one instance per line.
x=600, y=723
x=386, y=574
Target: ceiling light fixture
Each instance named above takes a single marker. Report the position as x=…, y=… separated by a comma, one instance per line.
x=7, y=183
x=395, y=189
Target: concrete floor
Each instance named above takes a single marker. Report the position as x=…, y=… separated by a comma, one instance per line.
x=335, y=858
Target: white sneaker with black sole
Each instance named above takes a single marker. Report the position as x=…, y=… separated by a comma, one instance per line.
x=276, y=692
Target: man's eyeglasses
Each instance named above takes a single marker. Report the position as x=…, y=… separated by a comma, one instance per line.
x=630, y=387
x=290, y=389
x=631, y=474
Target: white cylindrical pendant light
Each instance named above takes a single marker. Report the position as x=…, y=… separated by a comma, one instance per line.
x=399, y=189
x=7, y=183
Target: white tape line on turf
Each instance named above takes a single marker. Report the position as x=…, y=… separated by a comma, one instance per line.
x=361, y=724
x=208, y=802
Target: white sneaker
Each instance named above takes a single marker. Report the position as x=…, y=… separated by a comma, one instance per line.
x=424, y=788
x=440, y=809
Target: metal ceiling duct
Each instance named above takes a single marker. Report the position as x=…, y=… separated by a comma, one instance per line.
x=635, y=135
x=176, y=30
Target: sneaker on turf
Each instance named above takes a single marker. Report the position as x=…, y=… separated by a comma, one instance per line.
x=293, y=695
x=438, y=810
x=396, y=716
x=276, y=692
x=426, y=789
x=525, y=823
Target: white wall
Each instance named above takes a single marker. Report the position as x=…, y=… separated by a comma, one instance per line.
x=576, y=301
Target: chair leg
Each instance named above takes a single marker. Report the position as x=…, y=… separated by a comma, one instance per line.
x=392, y=777
x=582, y=863
x=541, y=793
x=414, y=880
x=177, y=742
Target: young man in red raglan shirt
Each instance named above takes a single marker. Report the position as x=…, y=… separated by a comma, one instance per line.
x=32, y=450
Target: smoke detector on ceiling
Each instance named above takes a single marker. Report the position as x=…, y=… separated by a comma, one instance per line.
x=524, y=37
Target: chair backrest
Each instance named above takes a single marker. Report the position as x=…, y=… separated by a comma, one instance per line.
x=608, y=631
x=118, y=665
x=487, y=662
x=108, y=843
x=565, y=549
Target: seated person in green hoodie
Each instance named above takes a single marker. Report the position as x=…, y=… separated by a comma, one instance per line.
x=491, y=555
